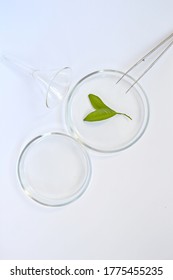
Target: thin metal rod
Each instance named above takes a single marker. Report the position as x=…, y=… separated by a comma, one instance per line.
x=144, y=57
x=151, y=65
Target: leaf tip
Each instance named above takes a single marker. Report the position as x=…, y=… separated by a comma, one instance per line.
x=90, y=96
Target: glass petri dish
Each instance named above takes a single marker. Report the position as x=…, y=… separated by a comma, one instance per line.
x=114, y=134
x=54, y=169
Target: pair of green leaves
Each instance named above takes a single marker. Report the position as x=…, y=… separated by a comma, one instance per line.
x=102, y=111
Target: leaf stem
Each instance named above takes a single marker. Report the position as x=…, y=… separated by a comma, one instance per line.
x=124, y=115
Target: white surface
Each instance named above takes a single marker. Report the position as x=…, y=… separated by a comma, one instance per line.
x=126, y=213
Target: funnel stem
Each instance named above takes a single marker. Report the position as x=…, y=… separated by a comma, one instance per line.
x=10, y=61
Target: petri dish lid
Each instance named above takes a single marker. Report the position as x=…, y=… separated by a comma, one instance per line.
x=114, y=134
x=54, y=169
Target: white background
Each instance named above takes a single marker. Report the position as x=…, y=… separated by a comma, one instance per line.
x=127, y=210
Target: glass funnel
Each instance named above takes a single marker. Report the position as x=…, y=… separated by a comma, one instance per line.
x=54, y=84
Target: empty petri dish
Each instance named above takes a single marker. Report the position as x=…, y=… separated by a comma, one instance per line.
x=114, y=134
x=54, y=169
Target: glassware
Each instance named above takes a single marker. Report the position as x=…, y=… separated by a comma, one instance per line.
x=54, y=169
x=114, y=134
x=53, y=83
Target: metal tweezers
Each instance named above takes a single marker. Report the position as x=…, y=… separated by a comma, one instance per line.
x=144, y=58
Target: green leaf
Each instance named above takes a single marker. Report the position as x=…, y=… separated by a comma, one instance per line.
x=96, y=102
x=102, y=111
x=100, y=114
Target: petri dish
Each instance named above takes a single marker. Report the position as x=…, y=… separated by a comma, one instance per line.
x=54, y=169
x=114, y=134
